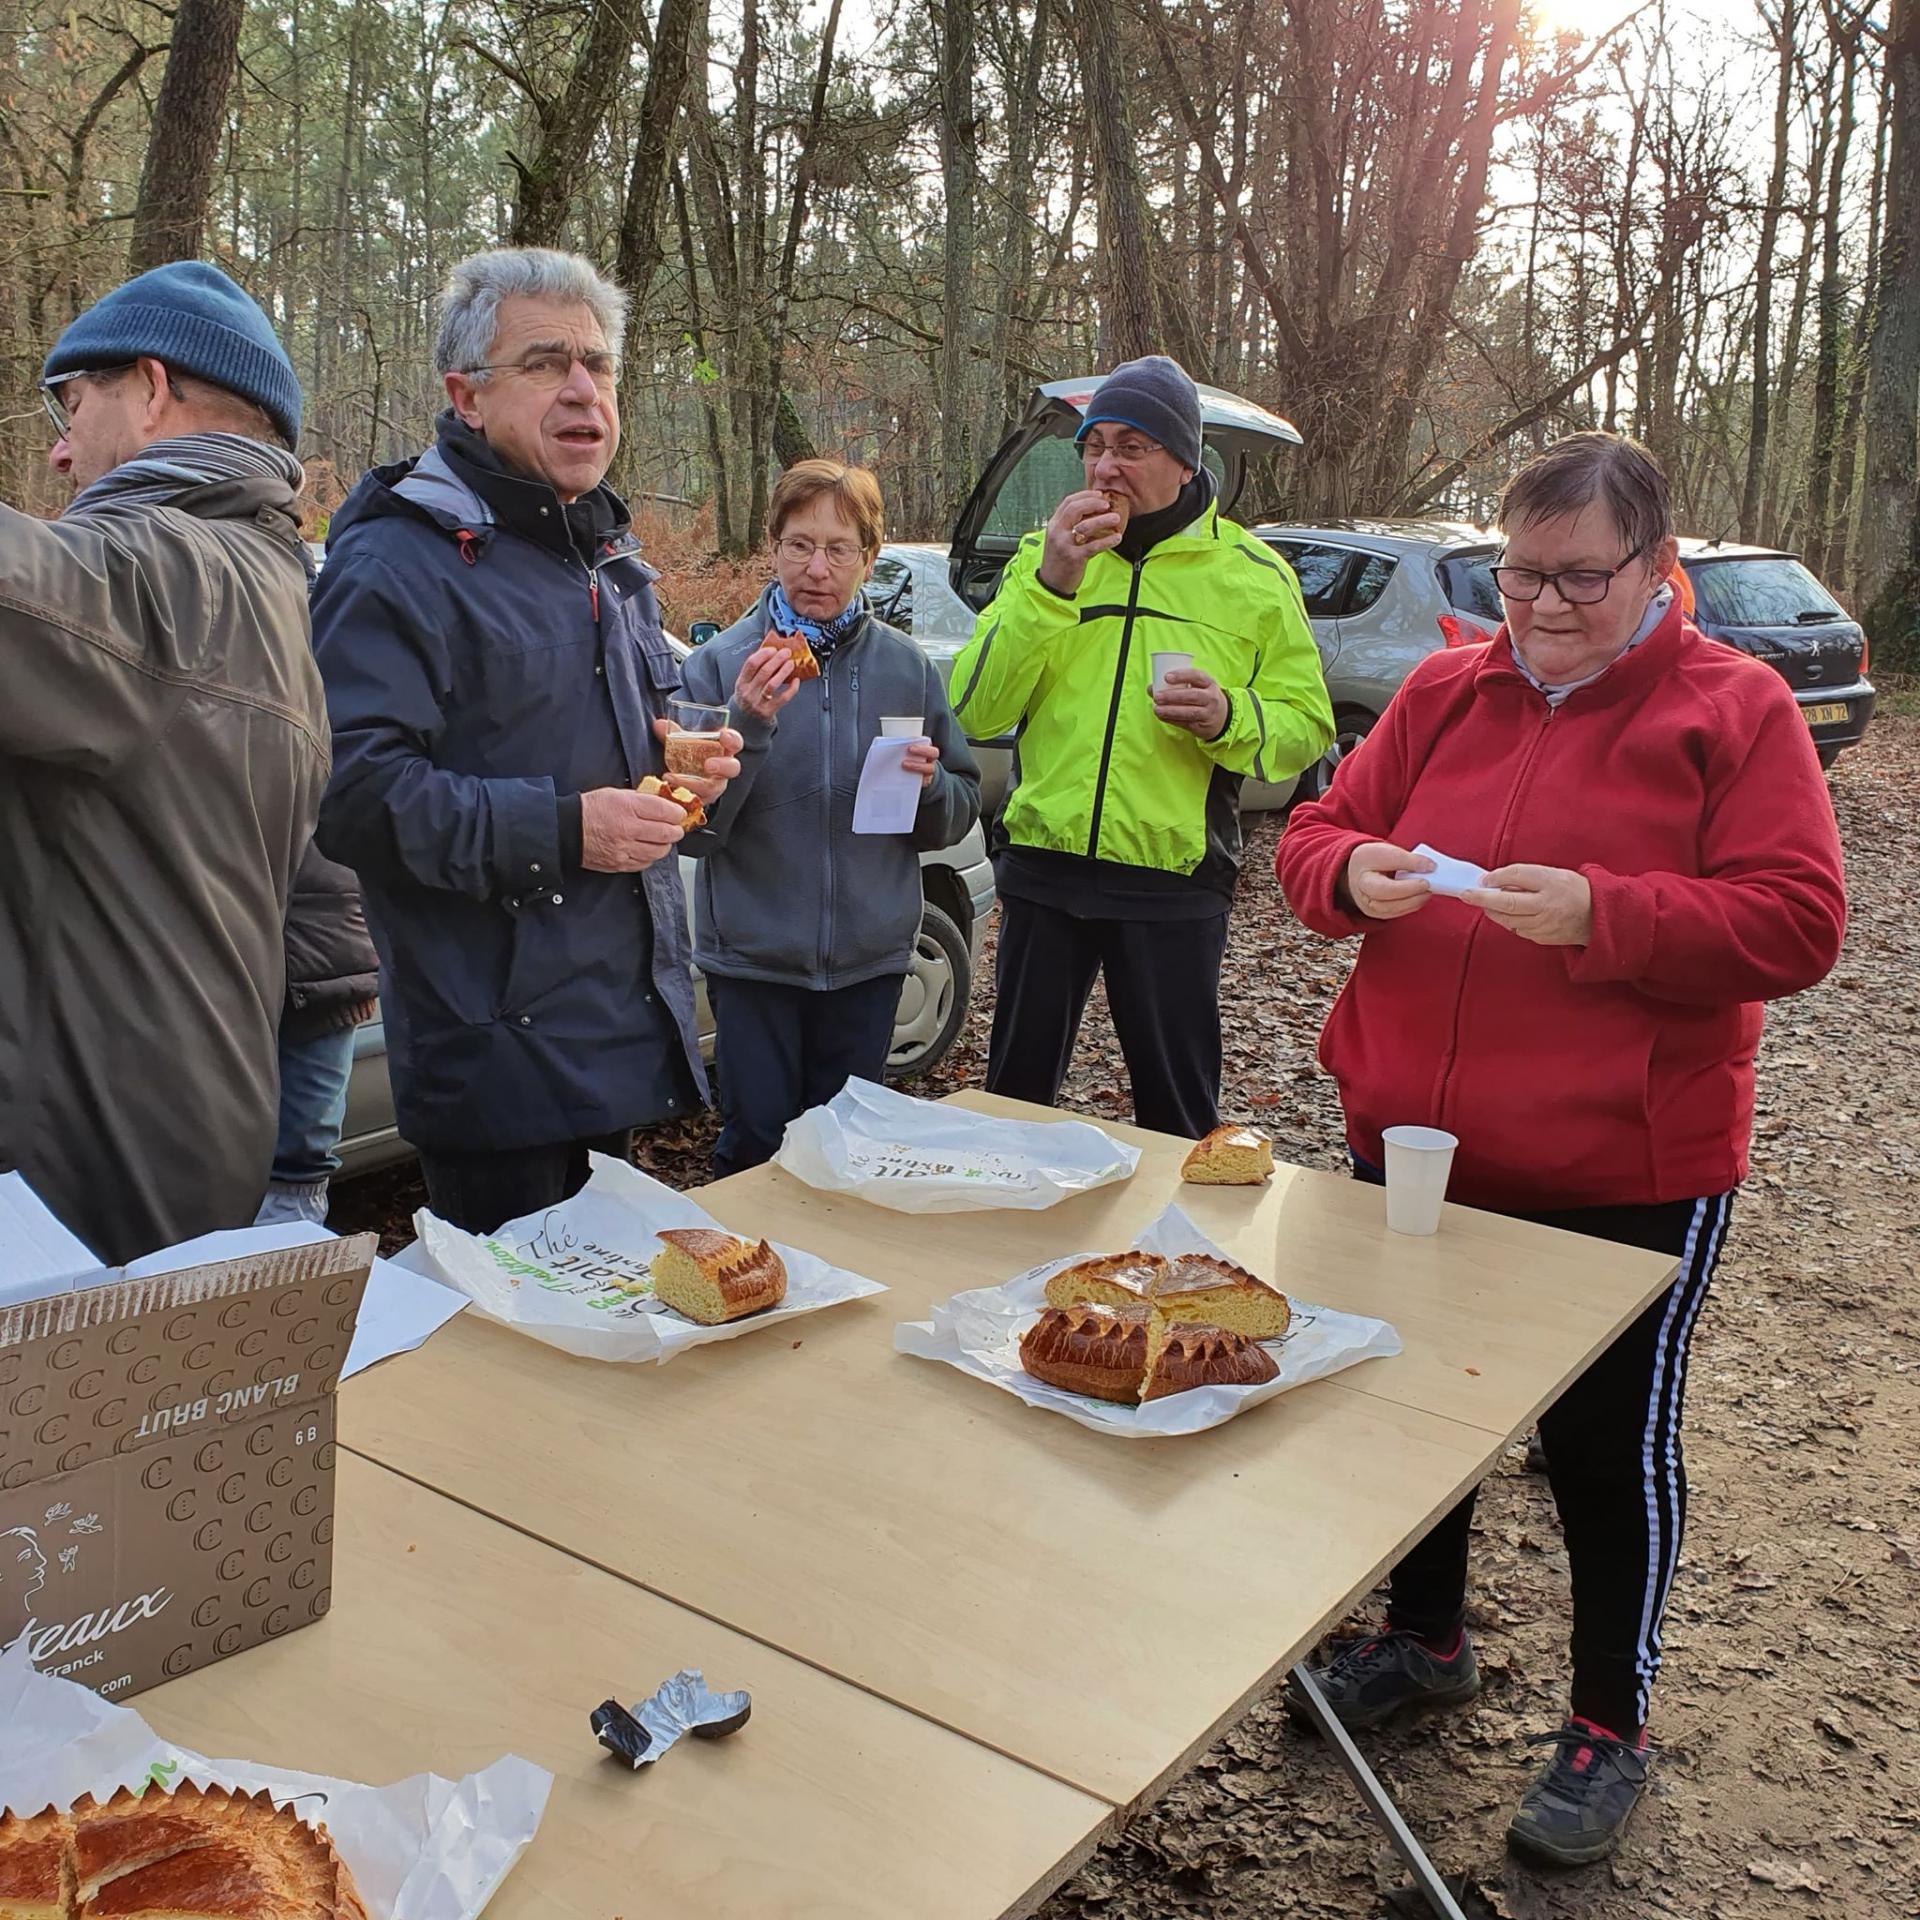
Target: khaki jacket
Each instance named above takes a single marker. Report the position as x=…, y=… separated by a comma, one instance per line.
x=163, y=748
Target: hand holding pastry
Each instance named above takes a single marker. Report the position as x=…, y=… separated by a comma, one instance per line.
x=1083, y=524
x=769, y=678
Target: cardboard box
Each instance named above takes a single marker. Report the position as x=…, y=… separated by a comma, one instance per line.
x=166, y=1462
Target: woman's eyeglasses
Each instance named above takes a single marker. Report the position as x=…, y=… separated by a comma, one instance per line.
x=840, y=553
x=1578, y=586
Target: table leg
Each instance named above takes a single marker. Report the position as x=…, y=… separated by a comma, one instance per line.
x=1379, y=1801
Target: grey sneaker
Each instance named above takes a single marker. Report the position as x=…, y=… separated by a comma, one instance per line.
x=1577, y=1809
x=1374, y=1681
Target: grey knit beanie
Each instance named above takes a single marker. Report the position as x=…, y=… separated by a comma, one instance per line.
x=1155, y=395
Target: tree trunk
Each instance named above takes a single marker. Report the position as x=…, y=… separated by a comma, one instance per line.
x=1129, y=326
x=1826, y=362
x=1016, y=241
x=640, y=250
x=1759, y=421
x=1893, y=377
x=188, y=119
x=959, y=173
x=566, y=128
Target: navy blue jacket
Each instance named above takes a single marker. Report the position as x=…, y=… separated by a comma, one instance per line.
x=787, y=891
x=480, y=672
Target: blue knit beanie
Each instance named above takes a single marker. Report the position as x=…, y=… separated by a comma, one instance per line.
x=191, y=316
x=1155, y=395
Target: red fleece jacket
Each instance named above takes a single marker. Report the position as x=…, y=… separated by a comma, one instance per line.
x=1685, y=786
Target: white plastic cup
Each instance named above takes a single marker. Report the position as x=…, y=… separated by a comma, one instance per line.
x=903, y=726
x=1419, y=1162
x=1166, y=663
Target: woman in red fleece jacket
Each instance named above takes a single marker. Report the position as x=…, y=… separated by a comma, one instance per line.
x=1662, y=858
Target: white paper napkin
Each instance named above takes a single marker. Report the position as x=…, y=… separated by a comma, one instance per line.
x=1449, y=875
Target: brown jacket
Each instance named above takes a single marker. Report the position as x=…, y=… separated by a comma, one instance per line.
x=163, y=748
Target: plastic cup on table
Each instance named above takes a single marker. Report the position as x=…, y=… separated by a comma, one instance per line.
x=693, y=736
x=1419, y=1161
x=1166, y=663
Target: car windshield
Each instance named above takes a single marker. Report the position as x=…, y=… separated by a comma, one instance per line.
x=1468, y=580
x=1765, y=590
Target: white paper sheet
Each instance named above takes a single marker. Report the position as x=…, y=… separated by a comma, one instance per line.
x=555, y=1275
x=888, y=797
x=979, y=1332
x=38, y=1255
x=398, y=1312
x=421, y=1849
x=1449, y=876
x=921, y=1156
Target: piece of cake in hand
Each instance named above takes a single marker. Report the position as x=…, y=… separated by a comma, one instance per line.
x=806, y=665
x=1216, y=1293
x=1229, y=1157
x=682, y=797
x=1182, y=1355
x=711, y=1277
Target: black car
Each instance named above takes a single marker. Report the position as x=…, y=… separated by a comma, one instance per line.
x=1766, y=603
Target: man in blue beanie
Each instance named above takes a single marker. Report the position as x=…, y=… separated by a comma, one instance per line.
x=1152, y=655
x=163, y=747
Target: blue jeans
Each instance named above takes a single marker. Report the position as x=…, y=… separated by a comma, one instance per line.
x=314, y=1071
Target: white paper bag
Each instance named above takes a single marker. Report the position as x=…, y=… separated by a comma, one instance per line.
x=979, y=1332
x=919, y=1157
x=555, y=1275
x=421, y=1849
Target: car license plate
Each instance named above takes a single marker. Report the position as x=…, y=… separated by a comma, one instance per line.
x=1827, y=714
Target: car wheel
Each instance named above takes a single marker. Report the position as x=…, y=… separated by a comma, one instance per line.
x=933, y=998
x=1351, y=725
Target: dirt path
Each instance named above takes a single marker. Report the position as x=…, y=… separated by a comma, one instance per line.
x=1789, y=1712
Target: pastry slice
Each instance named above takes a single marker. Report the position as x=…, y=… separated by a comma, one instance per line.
x=1113, y=1280
x=1182, y=1355
x=134, y=1831
x=1229, y=1157
x=1216, y=1293
x=682, y=797
x=1098, y=1351
x=805, y=665
x=36, y=1876
x=713, y=1277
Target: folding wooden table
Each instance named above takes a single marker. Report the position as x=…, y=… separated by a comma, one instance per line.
x=1094, y=1609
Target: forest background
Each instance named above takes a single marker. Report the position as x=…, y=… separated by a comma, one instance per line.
x=1432, y=233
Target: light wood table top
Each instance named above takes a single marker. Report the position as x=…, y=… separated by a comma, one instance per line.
x=454, y=1640
x=1096, y=1608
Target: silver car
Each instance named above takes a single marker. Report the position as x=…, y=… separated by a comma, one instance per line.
x=957, y=888
x=1382, y=595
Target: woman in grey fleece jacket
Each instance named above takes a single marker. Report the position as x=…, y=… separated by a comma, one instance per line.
x=804, y=929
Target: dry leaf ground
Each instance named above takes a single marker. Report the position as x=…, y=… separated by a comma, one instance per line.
x=1789, y=1713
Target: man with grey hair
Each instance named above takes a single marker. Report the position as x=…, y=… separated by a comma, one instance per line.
x=497, y=679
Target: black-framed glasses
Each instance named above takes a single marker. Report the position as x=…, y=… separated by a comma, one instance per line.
x=549, y=367
x=57, y=409
x=1578, y=586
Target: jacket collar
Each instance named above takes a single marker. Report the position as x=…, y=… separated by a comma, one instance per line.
x=1627, y=679
x=447, y=495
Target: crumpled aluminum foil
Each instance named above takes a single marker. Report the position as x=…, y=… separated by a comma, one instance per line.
x=640, y=1734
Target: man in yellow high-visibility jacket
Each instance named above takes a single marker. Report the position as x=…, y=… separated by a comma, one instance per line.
x=1120, y=839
